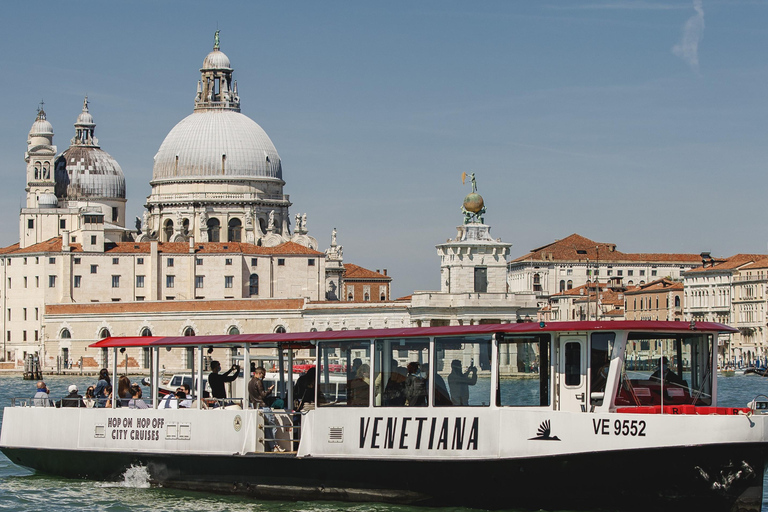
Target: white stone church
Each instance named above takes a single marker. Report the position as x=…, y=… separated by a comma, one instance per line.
x=216, y=250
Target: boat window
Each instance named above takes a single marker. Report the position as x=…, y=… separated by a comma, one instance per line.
x=572, y=363
x=463, y=363
x=600, y=353
x=660, y=369
x=524, y=370
x=401, y=370
x=344, y=364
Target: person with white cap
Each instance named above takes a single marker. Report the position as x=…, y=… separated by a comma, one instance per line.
x=73, y=399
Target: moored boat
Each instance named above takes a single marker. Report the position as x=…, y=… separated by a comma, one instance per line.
x=570, y=415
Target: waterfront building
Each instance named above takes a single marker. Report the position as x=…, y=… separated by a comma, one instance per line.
x=575, y=260
x=592, y=301
x=658, y=300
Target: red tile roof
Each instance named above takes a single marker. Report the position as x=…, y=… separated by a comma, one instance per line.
x=356, y=272
x=734, y=262
x=657, y=286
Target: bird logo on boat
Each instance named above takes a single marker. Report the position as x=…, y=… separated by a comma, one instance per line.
x=543, y=434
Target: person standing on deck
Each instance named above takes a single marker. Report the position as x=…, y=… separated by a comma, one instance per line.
x=217, y=380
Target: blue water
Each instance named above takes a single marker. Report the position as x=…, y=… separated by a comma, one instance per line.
x=22, y=490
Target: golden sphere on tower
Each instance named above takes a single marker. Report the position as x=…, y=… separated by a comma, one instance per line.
x=473, y=202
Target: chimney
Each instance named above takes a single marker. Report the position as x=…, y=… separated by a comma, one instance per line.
x=385, y=271
x=191, y=245
x=65, y=247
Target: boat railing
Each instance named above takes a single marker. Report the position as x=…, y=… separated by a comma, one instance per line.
x=280, y=430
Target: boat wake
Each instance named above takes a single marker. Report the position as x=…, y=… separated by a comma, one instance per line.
x=135, y=477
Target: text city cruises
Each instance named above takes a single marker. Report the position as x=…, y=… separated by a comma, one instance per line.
x=570, y=415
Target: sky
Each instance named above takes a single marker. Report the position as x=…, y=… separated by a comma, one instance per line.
x=639, y=123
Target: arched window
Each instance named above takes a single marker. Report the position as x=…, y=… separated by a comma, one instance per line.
x=280, y=329
x=168, y=230
x=145, y=332
x=37, y=170
x=263, y=225
x=46, y=171
x=233, y=330
x=562, y=285
x=366, y=297
x=214, y=227
x=677, y=301
x=185, y=227
x=104, y=333
x=235, y=228
x=253, y=284
x=65, y=334
x=536, y=282
x=569, y=286
x=188, y=331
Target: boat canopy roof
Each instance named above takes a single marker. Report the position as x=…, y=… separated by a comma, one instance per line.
x=309, y=339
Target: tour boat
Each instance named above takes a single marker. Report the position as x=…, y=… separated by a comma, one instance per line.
x=562, y=415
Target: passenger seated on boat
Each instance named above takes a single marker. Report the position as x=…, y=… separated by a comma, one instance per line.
x=107, y=399
x=415, y=387
x=90, y=399
x=124, y=390
x=304, y=391
x=459, y=382
x=73, y=399
x=136, y=402
x=359, y=387
x=174, y=400
x=257, y=394
x=394, y=392
x=442, y=397
x=217, y=380
x=669, y=376
x=41, y=396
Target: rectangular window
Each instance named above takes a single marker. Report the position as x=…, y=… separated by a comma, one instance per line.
x=601, y=349
x=642, y=272
x=139, y=299
x=139, y=281
x=93, y=239
x=37, y=314
x=280, y=262
x=653, y=273
x=77, y=281
x=52, y=261
x=37, y=281
x=481, y=279
x=678, y=368
x=198, y=261
x=573, y=363
x=25, y=282
x=311, y=262
x=76, y=261
x=51, y=281
x=114, y=214
x=94, y=269
x=619, y=272
x=170, y=281
x=199, y=281
x=228, y=281
x=23, y=335
x=115, y=281
x=24, y=312
x=115, y=261
x=339, y=387
x=396, y=385
x=630, y=272
x=30, y=223
x=139, y=261
x=62, y=224
x=228, y=261
x=169, y=262
x=254, y=262
x=37, y=336
x=25, y=261
x=610, y=272
x=455, y=364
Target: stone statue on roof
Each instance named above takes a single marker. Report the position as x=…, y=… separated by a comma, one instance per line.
x=216, y=40
x=304, y=223
x=271, y=225
x=333, y=237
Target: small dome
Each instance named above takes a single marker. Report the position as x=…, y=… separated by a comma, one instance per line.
x=473, y=202
x=41, y=127
x=217, y=59
x=88, y=172
x=47, y=201
x=85, y=117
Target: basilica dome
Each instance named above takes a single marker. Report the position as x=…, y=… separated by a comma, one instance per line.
x=212, y=143
x=85, y=171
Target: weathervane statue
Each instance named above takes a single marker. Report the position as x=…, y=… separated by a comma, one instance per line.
x=474, y=206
